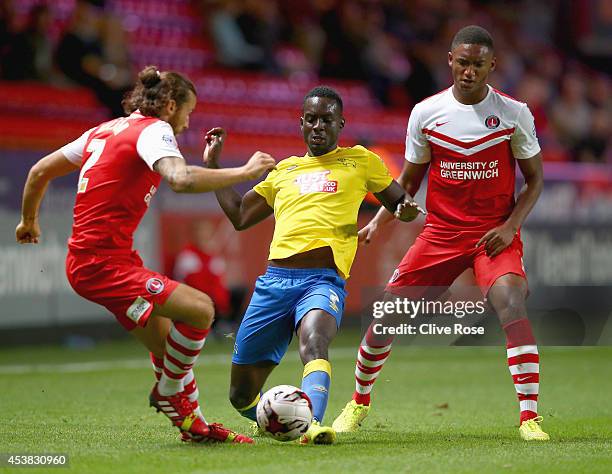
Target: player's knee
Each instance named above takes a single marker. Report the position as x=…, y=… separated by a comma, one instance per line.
x=511, y=308
x=206, y=310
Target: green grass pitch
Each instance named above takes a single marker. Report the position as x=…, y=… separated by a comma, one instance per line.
x=435, y=409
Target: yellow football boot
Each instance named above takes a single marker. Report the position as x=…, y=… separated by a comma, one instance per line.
x=318, y=434
x=351, y=417
x=255, y=431
x=530, y=430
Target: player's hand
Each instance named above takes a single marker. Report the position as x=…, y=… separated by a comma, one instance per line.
x=258, y=164
x=215, y=138
x=27, y=232
x=408, y=210
x=365, y=235
x=497, y=239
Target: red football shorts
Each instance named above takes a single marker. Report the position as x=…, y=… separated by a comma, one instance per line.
x=120, y=283
x=438, y=257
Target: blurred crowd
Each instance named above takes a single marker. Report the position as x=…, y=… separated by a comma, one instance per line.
x=545, y=55
x=553, y=54
x=91, y=50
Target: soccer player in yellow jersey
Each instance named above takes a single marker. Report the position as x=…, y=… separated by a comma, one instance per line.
x=315, y=199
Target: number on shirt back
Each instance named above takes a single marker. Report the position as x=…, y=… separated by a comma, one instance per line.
x=95, y=147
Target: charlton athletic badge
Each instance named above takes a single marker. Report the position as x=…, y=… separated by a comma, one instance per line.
x=492, y=122
x=155, y=286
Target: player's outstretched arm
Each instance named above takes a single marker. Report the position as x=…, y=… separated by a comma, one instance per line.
x=410, y=180
x=395, y=200
x=243, y=211
x=184, y=178
x=48, y=168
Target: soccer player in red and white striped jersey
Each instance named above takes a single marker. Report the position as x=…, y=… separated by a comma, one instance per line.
x=122, y=163
x=469, y=136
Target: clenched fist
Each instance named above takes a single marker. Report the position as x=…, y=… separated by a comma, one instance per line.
x=258, y=164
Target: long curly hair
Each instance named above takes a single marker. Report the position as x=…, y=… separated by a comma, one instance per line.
x=154, y=89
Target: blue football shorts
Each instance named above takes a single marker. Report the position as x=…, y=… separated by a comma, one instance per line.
x=282, y=297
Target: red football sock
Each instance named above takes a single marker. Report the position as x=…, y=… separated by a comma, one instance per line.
x=158, y=365
x=524, y=364
x=371, y=357
x=183, y=346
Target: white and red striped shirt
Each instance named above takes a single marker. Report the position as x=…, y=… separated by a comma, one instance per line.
x=471, y=150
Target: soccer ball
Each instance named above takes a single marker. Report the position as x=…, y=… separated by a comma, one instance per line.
x=284, y=413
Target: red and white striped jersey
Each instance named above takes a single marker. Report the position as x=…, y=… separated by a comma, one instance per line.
x=471, y=150
x=117, y=181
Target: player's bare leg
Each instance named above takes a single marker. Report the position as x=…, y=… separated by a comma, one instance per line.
x=246, y=383
x=153, y=337
x=316, y=331
x=190, y=314
x=507, y=296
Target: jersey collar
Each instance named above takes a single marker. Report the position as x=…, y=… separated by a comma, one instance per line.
x=329, y=153
x=469, y=106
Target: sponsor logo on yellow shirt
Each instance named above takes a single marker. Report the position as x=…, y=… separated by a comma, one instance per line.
x=316, y=182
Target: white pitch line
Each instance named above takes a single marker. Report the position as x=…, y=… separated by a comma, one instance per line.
x=144, y=363
x=93, y=366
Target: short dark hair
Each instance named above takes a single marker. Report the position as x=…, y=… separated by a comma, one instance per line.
x=473, y=34
x=324, y=91
x=154, y=89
